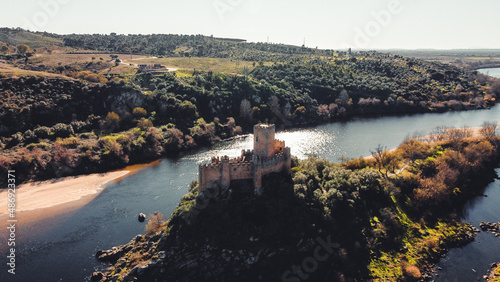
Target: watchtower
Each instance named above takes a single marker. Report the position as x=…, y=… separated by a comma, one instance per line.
x=263, y=140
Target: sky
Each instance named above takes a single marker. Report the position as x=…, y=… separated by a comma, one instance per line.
x=326, y=24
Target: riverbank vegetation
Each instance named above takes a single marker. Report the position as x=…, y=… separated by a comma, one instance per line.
x=383, y=218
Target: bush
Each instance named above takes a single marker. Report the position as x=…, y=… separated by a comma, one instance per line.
x=154, y=224
x=29, y=135
x=42, y=132
x=111, y=123
x=139, y=112
x=144, y=123
x=412, y=271
x=90, y=76
x=62, y=130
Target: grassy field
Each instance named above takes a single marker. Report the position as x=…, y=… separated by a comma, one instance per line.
x=202, y=64
x=57, y=58
x=8, y=70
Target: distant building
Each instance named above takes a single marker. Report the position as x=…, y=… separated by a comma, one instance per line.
x=269, y=155
x=152, y=68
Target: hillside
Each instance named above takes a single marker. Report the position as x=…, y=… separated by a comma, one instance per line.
x=14, y=37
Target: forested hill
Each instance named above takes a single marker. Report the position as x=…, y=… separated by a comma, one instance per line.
x=188, y=45
x=163, y=45
x=379, y=83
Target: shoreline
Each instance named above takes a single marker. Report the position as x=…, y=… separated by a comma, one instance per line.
x=43, y=199
x=42, y=195
x=430, y=138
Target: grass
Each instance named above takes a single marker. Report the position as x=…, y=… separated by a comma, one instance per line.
x=422, y=244
x=195, y=63
x=7, y=70
x=59, y=56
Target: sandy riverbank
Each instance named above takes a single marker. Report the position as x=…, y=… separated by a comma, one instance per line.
x=43, y=199
x=50, y=193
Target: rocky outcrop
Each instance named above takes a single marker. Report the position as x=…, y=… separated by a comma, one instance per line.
x=96, y=276
x=141, y=217
x=112, y=255
x=181, y=262
x=491, y=227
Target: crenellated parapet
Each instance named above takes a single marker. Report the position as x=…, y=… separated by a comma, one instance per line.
x=276, y=159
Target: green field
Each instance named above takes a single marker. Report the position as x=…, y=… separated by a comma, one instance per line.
x=202, y=64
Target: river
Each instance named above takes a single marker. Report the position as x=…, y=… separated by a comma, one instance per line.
x=495, y=72
x=62, y=248
x=472, y=261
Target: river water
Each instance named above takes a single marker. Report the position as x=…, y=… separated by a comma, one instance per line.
x=495, y=72
x=62, y=247
x=471, y=262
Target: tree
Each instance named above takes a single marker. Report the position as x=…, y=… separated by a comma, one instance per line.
x=344, y=98
x=4, y=49
x=413, y=150
x=274, y=104
x=112, y=121
x=144, y=123
x=488, y=129
x=154, y=224
x=246, y=110
x=139, y=112
x=381, y=157
x=23, y=49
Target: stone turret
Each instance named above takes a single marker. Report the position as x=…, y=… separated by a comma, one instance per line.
x=263, y=140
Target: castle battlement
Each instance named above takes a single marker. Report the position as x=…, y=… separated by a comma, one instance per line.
x=278, y=158
x=269, y=155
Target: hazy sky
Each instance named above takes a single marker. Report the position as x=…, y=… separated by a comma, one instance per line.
x=329, y=24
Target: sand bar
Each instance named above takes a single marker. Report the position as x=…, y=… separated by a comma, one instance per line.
x=50, y=193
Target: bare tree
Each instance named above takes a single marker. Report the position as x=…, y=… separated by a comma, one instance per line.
x=246, y=110
x=274, y=104
x=488, y=129
x=381, y=157
x=154, y=224
x=455, y=135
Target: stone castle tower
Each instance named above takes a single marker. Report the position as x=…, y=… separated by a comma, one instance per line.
x=269, y=155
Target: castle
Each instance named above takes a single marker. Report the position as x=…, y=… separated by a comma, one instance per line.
x=269, y=155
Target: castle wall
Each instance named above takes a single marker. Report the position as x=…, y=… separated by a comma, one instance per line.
x=241, y=171
x=277, y=163
x=269, y=155
x=209, y=174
